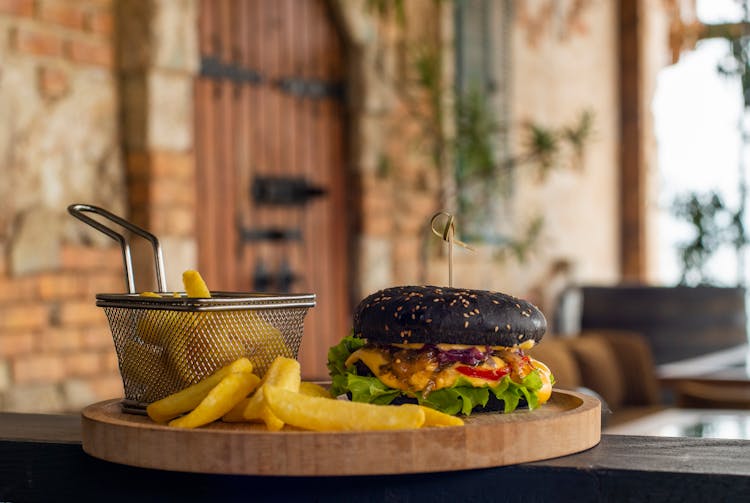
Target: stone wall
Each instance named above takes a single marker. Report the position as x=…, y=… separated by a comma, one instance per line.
x=573, y=46
x=399, y=185
x=158, y=58
x=58, y=145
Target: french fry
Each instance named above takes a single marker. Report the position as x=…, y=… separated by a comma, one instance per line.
x=183, y=350
x=434, y=417
x=194, y=285
x=222, y=397
x=283, y=373
x=157, y=330
x=229, y=340
x=312, y=389
x=138, y=362
x=237, y=413
x=157, y=327
x=327, y=414
x=189, y=398
x=273, y=339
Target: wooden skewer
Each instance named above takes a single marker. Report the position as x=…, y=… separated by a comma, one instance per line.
x=448, y=234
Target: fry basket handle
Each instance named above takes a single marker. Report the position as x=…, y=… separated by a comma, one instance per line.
x=79, y=210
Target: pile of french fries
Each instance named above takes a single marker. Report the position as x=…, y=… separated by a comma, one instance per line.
x=235, y=394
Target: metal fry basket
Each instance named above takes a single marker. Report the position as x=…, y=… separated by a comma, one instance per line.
x=165, y=343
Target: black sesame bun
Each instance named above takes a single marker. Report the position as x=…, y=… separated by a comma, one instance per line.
x=441, y=315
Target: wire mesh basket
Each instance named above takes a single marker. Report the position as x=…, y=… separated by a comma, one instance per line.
x=165, y=343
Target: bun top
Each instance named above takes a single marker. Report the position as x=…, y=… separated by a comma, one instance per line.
x=441, y=315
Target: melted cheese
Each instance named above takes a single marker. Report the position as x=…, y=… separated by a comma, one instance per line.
x=546, y=376
x=374, y=359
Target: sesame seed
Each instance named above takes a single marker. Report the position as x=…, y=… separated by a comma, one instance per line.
x=466, y=324
x=497, y=328
x=466, y=315
x=507, y=326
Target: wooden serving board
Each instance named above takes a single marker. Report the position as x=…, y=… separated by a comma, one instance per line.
x=568, y=423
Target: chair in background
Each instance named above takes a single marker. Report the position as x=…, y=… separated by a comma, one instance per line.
x=678, y=322
x=617, y=366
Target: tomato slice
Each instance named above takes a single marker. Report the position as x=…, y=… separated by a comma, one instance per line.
x=488, y=374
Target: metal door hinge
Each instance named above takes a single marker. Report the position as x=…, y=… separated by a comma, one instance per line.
x=311, y=88
x=284, y=191
x=212, y=67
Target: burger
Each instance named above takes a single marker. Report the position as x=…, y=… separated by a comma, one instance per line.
x=456, y=350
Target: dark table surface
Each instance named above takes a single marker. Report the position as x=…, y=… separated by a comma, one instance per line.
x=41, y=459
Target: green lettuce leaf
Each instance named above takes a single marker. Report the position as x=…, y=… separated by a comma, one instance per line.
x=370, y=390
x=461, y=397
x=511, y=392
x=337, y=356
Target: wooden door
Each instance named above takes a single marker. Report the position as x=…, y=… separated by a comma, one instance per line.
x=269, y=117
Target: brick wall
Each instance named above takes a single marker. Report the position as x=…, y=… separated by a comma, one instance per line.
x=158, y=60
x=56, y=57
x=56, y=352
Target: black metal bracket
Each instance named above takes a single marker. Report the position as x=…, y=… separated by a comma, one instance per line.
x=212, y=67
x=310, y=88
x=274, y=234
x=284, y=191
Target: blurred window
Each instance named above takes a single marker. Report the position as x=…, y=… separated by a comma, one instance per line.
x=699, y=117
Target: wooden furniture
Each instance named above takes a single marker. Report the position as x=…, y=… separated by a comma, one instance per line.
x=712, y=395
x=41, y=459
x=719, y=380
x=678, y=322
x=616, y=365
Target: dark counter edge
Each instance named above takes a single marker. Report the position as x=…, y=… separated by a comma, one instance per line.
x=41, y=459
